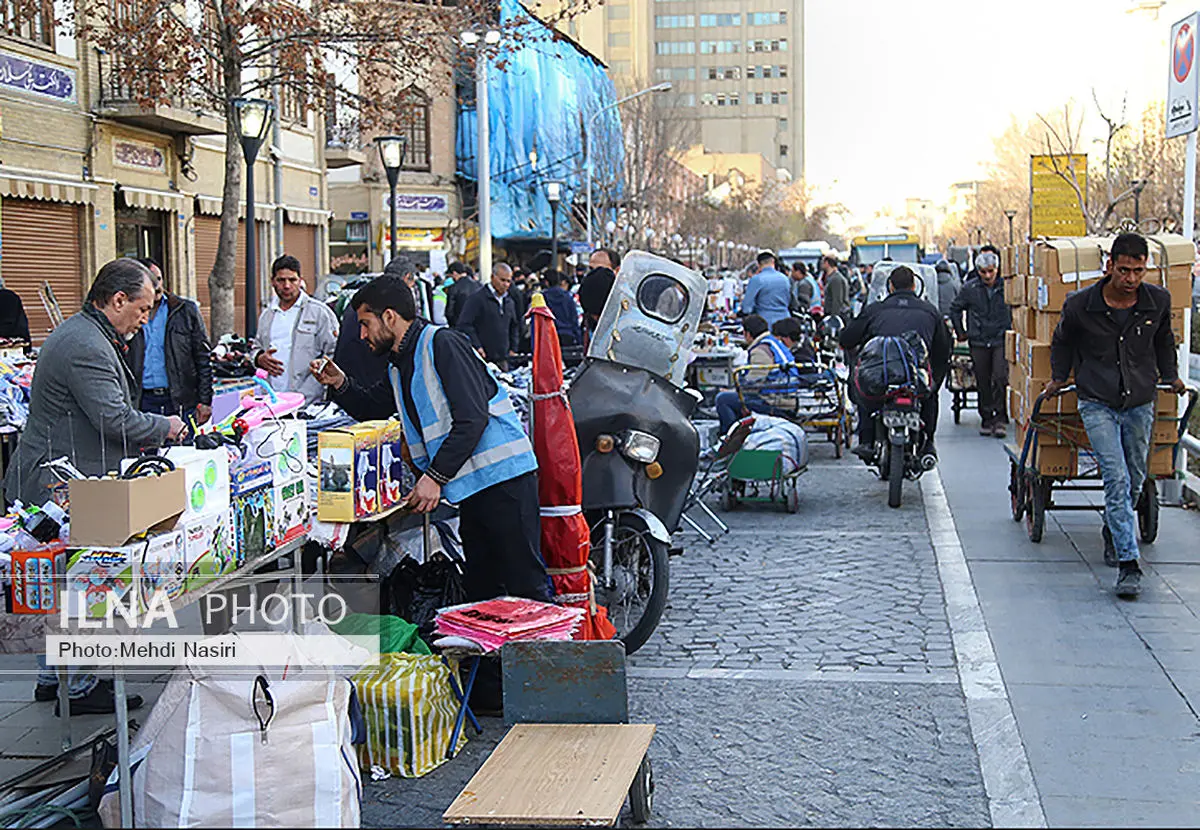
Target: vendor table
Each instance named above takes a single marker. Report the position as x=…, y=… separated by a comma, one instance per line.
x=712, y=371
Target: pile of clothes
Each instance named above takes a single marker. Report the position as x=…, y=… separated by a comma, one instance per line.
x=15, y=380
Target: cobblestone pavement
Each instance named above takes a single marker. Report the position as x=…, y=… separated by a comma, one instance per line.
x=802, y=676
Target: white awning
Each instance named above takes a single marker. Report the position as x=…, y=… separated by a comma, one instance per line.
x=211, y=206
x=22, y=186
x=307, y=216
x=144, y=197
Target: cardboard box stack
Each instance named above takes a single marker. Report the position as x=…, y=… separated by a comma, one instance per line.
x=1037, y=280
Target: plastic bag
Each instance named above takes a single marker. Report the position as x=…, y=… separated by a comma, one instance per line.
x=416, y=592
x=889, y=362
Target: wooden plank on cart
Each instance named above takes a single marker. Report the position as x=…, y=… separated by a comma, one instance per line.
x=555, y=775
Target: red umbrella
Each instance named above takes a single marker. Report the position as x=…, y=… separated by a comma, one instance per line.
x=566, y=540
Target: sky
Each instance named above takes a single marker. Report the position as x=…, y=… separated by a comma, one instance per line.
x=906, y=97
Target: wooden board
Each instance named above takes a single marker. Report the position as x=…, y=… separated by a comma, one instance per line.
x=554, y=775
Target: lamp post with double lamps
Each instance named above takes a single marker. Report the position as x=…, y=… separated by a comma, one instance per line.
x=252, y=118
x=391, y=155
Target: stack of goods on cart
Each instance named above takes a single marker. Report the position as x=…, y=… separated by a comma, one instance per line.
x=362, y=473
x=1037, y=279
x=231, y=358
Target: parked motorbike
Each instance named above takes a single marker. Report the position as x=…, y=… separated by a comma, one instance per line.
x=638, y=445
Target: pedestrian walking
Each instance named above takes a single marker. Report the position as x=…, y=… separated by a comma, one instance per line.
x=836, y=293
x=293, y=331
x=988, y=318
x=464, y=286
x=948, y=285
x=1116, y=338
x=562, y=304
x=768, y=292
x=489, y=318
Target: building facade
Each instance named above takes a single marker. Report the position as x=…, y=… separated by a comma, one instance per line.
x=88, y=174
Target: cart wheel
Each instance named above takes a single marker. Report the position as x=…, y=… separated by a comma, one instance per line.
x=1035, y=516
x=1147, y=511
x=641, y=793
x=792, y=501
x=728, y=497
x=838, y=437
x=1016, y=491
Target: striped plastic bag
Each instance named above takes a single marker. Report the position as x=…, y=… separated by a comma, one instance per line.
x=409, y=710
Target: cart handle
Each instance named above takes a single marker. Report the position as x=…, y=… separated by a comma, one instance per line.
x=1031, y=436
x=1192, y=394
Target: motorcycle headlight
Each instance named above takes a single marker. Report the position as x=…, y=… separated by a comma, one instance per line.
x=641, y=447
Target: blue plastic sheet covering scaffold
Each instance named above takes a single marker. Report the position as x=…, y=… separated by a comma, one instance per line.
x=543, y=92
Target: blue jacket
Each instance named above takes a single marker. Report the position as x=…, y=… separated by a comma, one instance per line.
x=768, y=294
x=566, y=314
x=503, y=452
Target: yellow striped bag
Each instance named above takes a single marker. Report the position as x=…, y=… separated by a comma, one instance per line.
x=410, y=709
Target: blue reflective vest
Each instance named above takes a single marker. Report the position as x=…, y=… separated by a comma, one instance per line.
x=503, y=452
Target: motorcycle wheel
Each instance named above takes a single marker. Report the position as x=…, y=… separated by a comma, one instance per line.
x=640, y=574
x=895, y=473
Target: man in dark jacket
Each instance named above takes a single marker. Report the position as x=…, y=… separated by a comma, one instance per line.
x=1116, y=337
x=489, y=318
x=14, y=325
x=170, y=356
x=836, y=288
x=464, y=286
x=988, y=318
x=900, y=312
x=562, y=304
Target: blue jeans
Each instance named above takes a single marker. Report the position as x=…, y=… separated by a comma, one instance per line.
x=1121, y=442
x=730, y=408
x=80, y=682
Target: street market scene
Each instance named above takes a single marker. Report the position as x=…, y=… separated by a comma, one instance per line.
x=623, y=413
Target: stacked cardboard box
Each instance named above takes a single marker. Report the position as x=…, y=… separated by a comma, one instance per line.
x=1037, y=280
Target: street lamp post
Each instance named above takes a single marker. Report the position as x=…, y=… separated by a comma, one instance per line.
x=1010, y=215
x=553, y=196
x=252, y=118
x=979, y=232
x=483, y=159
x=391, y=155
x=587, y=143
x=1138, y=186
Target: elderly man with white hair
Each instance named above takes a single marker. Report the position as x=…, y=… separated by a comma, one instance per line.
x=987, y=319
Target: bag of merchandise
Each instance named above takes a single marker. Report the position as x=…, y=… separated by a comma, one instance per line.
x=887, y=362
x=245, y=751
x=410, y=711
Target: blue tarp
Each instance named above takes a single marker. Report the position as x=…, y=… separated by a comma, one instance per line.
x=543, y=92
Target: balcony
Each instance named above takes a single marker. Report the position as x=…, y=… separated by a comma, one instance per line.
x=343, y=144
x=184, y=114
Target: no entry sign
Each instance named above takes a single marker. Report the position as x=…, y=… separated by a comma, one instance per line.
x=1182, y=86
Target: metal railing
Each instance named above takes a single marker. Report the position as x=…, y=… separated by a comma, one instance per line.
x=118, y=85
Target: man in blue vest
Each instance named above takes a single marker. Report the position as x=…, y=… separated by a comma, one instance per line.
x=463, y=435
x=763, y=349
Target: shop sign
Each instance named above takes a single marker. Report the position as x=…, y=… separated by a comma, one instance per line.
x=416, y=203
x=38, y=79
x=137, y=155
x=412, y=237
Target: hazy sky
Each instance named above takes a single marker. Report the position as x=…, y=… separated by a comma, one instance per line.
x=905, y=97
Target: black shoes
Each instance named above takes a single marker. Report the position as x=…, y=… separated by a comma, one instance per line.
x=45, y=692
x=1110, y=550
x=100, y=701
x=865, y=452
x=1129, y=583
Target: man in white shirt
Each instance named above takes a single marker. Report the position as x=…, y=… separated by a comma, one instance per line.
x=293, y=331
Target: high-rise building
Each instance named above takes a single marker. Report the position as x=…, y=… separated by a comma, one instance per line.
x=736, y=68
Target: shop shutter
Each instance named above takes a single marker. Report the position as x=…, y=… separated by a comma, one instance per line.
x=208, y=231
x=41, y=242
x=301, y=242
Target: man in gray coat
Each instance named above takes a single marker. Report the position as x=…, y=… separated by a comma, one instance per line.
x=81, y=402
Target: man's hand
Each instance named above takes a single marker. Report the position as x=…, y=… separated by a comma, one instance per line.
x=267, y=361
x=203, y=413
x=175, y=428
x=1179, y=387
x=327, y=372
x=424, y=496
x=1054, y=387
x=479, y=352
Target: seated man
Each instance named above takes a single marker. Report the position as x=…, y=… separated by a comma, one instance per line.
x=789, y=333
x=763, y=350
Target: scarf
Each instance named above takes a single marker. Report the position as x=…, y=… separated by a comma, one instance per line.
x=98, y=317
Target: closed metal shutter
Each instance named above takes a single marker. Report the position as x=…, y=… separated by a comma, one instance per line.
x=41, y=242
x=301, y=242
x=208, y=232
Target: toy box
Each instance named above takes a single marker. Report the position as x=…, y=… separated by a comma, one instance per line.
x=348, y=487
x=163, y=567
x=207, y=477
x=282, y=443
x=395, y=481
x=36, y=578
x=95, y=573
x=252, y=517
x=206, y=549
x=293, y=511
x=247, y=475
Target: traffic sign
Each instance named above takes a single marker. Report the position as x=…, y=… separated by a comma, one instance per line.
x=1183, y=79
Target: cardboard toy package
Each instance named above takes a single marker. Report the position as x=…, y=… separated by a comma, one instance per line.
x=394, y=478
x=37, y=578
x=293, y=511
x=252, y=517
x=206, y=549
x=108, y=512
x=283, y=444
x=348, y=487
x=163, y=567
x=207, y=479
x=93, y=574
x=249, y=474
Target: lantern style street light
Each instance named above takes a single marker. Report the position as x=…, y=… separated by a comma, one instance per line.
x=391, y=155
x=252, y=119
x=554, y=196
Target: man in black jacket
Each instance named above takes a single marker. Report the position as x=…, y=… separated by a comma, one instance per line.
x=170, y=356
x=14, y=325
x=464, y=286
x=900, y=312
x=1116, y=337
x=489, y=318
x=988, y=318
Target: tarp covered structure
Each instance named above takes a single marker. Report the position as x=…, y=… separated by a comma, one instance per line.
x=540, y=103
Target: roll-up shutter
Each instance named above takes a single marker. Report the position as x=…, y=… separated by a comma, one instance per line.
x=301, y=242
x=208, y=232
x=41, y=242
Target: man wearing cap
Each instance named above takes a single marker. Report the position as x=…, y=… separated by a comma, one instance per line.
x=768, y=292
x=988, y=318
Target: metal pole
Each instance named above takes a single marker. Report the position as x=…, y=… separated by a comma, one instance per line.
x=393, y=175
x=1137, y=207
x=484, y=163
x=125, y=780
x=1189, y=232
x=1010, y=232
x=554, y=235
x=251, y=243
x=587, y=152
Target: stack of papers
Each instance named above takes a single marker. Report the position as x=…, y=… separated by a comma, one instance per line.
x=494, y=622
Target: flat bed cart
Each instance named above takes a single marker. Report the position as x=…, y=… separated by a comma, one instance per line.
x=961, y=381
x=818, y=404
x=758, y=475
x=1032, y=492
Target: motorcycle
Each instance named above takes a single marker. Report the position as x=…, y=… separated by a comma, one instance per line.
x=638, y=446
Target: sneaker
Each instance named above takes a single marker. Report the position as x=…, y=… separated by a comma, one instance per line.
x=100, y=701
x=1110, y=550
x=985, y=429
x=999, y=430
x=1129, y=583
x=45, y=692
x=866, y=453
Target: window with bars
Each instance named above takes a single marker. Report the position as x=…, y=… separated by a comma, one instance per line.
x=28, y=20
x=414, y=125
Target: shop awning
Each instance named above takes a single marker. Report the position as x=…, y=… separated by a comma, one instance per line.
x=21, y=186
x=211, y=206
x=307, y=216
x=144, y=197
